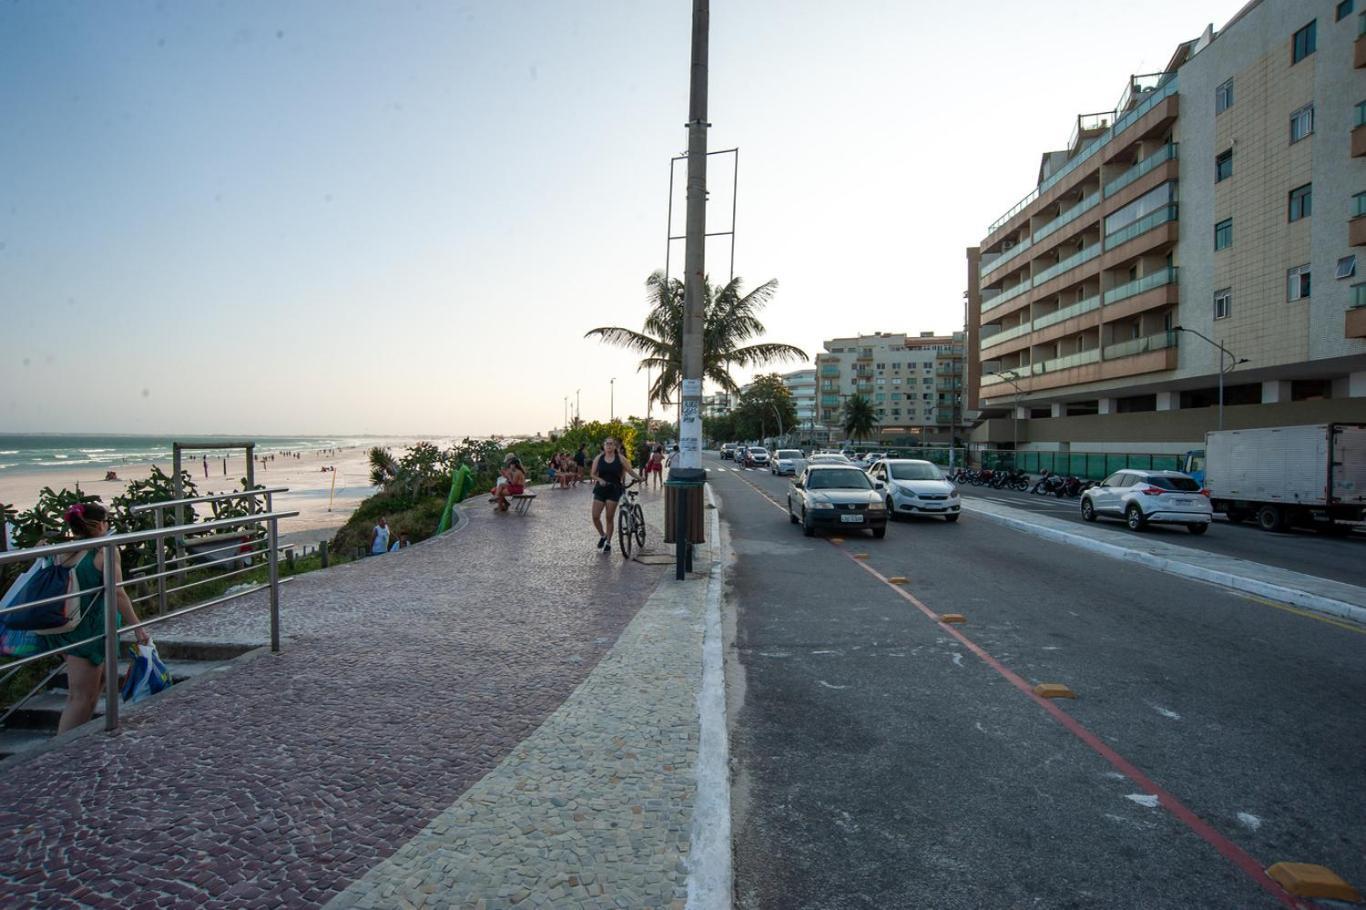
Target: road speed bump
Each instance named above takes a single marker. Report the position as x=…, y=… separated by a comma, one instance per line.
x=837, y=540
x=860, y=555
x=1053, y=690
x=1309, y=880
x=898, y=580
x=952, y=618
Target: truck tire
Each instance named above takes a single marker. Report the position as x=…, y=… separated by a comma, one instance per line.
x=1236, y=515
x=1271, y=518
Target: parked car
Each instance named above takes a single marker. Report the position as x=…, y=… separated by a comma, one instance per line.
x=836, y=496
x=787, y=461
x=1150, y=497
x=828, y=458
x=916, y=487
x=756, y=457
x=868, y=459
x=728, y=451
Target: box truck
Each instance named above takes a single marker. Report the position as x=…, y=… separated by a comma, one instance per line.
x=1310, y=476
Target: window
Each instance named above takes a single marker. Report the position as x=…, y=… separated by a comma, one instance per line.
x=1304, y=43
x=1223, y=302
x=1359, y=205
x=1223, y=97
x=1301, y=123
x=1344, y=10
x=1297, y=283
x=1223, y=166
x=1223, y=234
x=896, y=396
x=1347, y=267
x=1302, y=202
x=1358, y=296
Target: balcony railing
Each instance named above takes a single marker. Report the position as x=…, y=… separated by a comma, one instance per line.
x=1071, y=262
x=1061, y=363
x=1017, y=249
x=1067, y=217
x=1360, y=119
x=1067, y=312
x=830, y=401
x=830, y=371
x=1168, y=153
x=1138, y=286
x=1140, y=345
x=1005, y=296
x=1164, y=90
x=1006, y=334
x=1141, y=226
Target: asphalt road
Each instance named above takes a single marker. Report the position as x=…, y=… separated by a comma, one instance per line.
x=1300, y=550
x=879, y=761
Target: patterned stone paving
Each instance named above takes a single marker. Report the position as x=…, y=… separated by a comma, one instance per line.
x=404, y=680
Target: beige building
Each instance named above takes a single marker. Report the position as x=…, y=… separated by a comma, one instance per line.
x=914, y=382
x=1212, y=217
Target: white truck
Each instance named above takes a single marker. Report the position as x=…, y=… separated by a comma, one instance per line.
x=1312, y=476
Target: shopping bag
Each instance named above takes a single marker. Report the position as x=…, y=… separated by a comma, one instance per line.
x=147, y=676
x=19, y=642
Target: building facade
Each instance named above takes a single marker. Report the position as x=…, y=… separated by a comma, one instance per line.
x=914, y=382
x=802, y=385
x=1205, y=229
x=717, y=405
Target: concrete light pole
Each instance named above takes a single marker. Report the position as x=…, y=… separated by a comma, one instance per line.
x=1223, y=353
x=612, y=398
x=577, y=412
x=689, y=464
x=1010, y=376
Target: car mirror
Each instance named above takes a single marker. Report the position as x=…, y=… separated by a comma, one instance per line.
x=797, y=484
x=879, y=485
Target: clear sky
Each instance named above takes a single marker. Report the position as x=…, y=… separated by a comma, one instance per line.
x=401, y=217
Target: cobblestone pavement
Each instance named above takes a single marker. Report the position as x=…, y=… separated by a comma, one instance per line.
x=404, y=680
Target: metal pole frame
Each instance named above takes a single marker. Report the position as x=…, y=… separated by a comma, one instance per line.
x=670, y=237
x=273, y=558
x=111, y=638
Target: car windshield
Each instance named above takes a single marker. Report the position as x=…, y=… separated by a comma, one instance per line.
x=829, y=459
x=1181, y=484
x=837, y=479
x=915, y=471
x=788, y=453
x=758, y=450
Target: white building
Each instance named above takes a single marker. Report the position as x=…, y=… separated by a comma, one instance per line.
x=802, y=385
x=914, y=382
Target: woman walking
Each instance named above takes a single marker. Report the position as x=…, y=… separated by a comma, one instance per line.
x=655, y=466
x=85, y=664
x=609, y=471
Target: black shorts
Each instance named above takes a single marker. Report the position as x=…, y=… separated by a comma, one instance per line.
x=608, y=492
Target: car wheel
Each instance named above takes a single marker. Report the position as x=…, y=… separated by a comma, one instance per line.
x=891, y=509
x=1088, y=511
x=1133, y=516
x=808, y=528
x=1197, y=528
x=790, y=517
x=1271, y=518
x=880, y=533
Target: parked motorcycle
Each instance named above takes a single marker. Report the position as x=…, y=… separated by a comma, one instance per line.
x=1047, y=483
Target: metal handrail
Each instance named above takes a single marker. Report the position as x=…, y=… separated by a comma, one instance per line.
x=212, y=497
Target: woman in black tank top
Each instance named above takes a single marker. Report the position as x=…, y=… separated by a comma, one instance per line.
x=609, y=472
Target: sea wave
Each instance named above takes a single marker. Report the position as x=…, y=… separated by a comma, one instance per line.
x=9, y=451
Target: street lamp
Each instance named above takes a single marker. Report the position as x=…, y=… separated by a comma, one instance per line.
x=577, y=412
x=1010, y=376
x=1223, y=352
x=612, y=398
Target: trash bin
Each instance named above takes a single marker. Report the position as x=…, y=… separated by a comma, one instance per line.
x=693, y=495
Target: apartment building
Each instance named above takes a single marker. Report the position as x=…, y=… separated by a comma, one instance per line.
x=802, y=385
x=915, y=383
x=1207, y=226
x=717, y=405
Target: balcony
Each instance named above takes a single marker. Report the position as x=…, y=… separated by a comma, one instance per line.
x=1067, y=312
x=1168, y=153
x=1080, y=358
x=1140, y=345
x=1141, y=226
x=989, y=267
x=1001, y=298
x=832, y=371
x=1005, y=335
x=1067, y=217
x=1356, y=231
x=1359, y=49
x=1146, y=283
x=830, y=401
x=1065, y=265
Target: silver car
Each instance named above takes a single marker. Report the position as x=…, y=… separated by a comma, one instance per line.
x=787, y=461
x=1150, y=497
x=836, y=496
x=915, y=487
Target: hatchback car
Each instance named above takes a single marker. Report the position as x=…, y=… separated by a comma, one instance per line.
x=787, y=461
x=916, y=487
x=1150, y=497
x=836, y=496
x=756, y=457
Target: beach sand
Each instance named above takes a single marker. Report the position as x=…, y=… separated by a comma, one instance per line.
x=309, y=486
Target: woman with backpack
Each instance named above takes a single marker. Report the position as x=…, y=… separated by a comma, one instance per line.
x=85, y=664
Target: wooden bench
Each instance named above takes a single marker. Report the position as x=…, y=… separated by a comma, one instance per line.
x=521, y=502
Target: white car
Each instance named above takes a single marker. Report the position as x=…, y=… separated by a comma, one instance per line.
x=868, y=459
x=916, y=488
x=787, y=461
x=828, y=458
x=756, y=457
x=1150, y=497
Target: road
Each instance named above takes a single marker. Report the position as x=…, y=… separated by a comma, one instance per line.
x=882, y=759
x=1338, y=558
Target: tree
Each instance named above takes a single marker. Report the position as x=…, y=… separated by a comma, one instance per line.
x=720, y=429
x=767, y=403
x=859, y=417
x=731, y=319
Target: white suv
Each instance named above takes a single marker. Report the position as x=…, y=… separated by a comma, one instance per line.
x=1150, y=497
x=756, y=456
x=787, y=461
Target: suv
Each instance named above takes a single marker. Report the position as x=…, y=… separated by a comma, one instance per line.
x=728, y=451
x=756, y=457
x=787, y=461
x=1150, y=497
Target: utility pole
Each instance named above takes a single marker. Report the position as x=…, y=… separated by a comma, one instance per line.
x=612, y=398
x=577, y=412
x=566, y=412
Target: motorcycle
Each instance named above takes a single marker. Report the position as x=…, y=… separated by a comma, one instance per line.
x=1048, y=483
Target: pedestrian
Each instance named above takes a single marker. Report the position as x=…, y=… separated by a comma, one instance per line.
x=85, y=663
x=609, y=473
x=655, y=466
x=379, y=537
x=206, y=467
x=581, y=462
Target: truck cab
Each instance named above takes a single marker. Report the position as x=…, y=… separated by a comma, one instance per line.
x=1194, y=465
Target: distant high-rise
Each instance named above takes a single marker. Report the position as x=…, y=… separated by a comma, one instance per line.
x=914, y=383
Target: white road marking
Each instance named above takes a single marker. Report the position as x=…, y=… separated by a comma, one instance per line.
x=827, y=652
x=774, y=654
x=1165, y=712
x=1251, y=822
x=1143, y=799
x=829, y=685
x=957, y=659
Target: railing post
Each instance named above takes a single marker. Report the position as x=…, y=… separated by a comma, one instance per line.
x=160, y=544
x=272, y=536
x=111, y=641
x=322, y=553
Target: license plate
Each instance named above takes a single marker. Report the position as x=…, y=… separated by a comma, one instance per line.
x=852, y=519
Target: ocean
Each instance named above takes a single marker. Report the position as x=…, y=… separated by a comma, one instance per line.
x=54, y=451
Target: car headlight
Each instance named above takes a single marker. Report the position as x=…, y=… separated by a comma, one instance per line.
x=821, y=505
x=877, y=507
x=907, y=491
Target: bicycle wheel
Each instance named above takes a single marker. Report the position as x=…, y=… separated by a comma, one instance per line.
x=625, y=534
x=639, y=515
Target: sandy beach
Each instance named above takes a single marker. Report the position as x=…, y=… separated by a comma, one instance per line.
x=322, y=508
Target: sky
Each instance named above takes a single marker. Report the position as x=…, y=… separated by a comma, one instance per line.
x=402, y=217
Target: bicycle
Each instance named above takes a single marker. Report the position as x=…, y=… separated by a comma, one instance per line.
x=630, y=521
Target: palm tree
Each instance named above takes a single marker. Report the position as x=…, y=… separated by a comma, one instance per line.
x=859, y=417
x=730, y=320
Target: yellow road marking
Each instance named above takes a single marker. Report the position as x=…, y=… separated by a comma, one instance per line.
x=1307, y=614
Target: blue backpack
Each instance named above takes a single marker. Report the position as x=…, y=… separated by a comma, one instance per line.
x=55, y=583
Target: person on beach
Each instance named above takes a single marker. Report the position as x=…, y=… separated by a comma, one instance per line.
x=206, y=467
x=655, y=466
x=379, y=537
x=609, y=473
x=511, y=482
x=85, y=663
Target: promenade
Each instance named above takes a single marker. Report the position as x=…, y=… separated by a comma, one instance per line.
x=501, y=716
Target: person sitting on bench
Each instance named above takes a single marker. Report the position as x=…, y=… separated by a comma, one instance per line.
x=511, y=482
